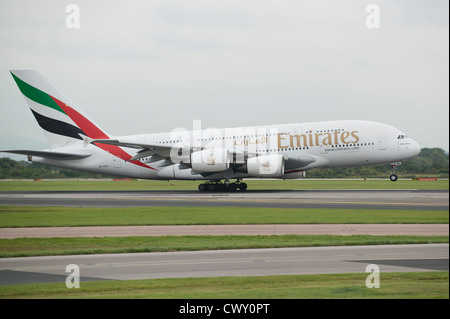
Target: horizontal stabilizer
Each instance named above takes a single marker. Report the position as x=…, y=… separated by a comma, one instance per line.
x=49, y=155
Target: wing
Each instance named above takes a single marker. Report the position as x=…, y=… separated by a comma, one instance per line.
x=159, y=152
x=49, y=154
x=145, y=150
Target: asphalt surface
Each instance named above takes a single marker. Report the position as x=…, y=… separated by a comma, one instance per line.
x=346, y=199
x=246, y=262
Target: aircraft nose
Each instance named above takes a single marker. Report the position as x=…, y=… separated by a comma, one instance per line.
x=415, y=148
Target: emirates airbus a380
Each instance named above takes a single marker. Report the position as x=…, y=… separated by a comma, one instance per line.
x=213, y=155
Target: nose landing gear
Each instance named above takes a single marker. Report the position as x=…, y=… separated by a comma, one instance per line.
x=394, y=167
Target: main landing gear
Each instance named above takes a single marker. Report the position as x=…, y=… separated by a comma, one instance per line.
x=394, y=167
x=218, y=186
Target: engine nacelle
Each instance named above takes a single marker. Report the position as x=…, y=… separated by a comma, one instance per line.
x=294, y=174
x=210, y=160
x=266, y=166
x=178, y=171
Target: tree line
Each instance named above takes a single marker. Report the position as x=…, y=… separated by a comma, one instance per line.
x=431, y=162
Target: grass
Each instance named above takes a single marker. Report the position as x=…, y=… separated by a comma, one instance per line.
x=420, y=285
x=87, y=185
x=393, y=285
x=32, y=216
x=26, y=247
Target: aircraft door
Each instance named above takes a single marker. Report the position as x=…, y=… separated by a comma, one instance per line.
x=382, y=143
x=117, y=162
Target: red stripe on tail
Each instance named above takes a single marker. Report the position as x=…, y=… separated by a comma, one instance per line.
x=94, y=132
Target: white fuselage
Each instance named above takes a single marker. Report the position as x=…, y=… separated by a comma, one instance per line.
x=304, y=146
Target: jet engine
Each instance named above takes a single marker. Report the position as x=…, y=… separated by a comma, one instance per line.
x=210, y=160
x=266, y=166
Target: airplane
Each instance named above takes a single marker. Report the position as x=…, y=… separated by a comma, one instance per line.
x=216, y=156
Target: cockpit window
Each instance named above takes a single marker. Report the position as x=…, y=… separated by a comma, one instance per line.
x=401, y=137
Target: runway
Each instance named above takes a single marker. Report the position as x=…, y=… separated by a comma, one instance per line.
x=246, y=262
x=345, y=199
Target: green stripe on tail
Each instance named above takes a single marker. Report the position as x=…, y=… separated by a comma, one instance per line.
x=36, y=95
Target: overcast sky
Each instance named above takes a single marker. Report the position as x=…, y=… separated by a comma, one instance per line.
x=152, y=66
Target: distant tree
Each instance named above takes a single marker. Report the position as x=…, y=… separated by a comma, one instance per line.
x=22, y=169
x=430, y=162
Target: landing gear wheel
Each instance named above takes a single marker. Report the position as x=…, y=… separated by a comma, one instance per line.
x=220, y=187
x=217, y=186
x=394, y=167
x=243, y=187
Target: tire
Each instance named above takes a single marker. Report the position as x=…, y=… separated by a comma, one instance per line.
x=221, y=187
x=232, y=187
x=394, y=178
x=243, y=187
x=202, y=187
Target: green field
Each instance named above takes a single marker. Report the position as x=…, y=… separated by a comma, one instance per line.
x=393, y=285
x=419, y=285
x=86, y=185
x=32, y=216
x=26, y=216
x=26, y=247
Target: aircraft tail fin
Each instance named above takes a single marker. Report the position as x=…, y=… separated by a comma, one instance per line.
x=62, y=122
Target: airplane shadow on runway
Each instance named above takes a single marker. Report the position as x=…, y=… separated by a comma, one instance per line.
x=13, y=277
x=430, y=264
